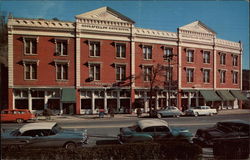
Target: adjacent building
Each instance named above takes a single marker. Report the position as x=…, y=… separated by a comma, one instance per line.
x=102, y=60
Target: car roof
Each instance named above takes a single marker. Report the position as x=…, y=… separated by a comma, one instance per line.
x=151, y=122
x=34, y=126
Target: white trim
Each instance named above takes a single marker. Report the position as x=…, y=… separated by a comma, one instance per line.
x=10, y=60
x=78, y=62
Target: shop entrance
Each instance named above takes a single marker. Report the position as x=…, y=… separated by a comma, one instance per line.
x=69, y=108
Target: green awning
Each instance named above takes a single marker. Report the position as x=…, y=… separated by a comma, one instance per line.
x=68, y=95
x=210, y=95
x=226, y=95
x=237, y=94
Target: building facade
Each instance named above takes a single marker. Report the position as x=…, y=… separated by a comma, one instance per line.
x=103, y=61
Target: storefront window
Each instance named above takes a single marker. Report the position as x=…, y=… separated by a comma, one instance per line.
x=86, y=103
x=37, y=104
x=21, y=104
x=54, y=104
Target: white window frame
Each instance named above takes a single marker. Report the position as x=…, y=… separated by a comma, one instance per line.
x=206, y=57
x=206, y=75
x=120, y=49
x=92, y=74
x=235, y=60
x=61, y=42
x=235, y=77
x=30, y=63
x=147, y=72
x=222, y=58
x=30, y=41
x=222, y=76
x=190, y=75
x=95, y=44
x=169, y=73
x=190, y=55
x=147, y=52
x=120, y=72
x=167, y=51
x=66, y=70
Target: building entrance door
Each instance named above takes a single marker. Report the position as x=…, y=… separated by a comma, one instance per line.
x=69, y=108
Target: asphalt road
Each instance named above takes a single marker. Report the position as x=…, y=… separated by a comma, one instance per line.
x=105, y=130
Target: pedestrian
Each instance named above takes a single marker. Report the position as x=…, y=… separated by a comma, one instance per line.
x=138, y=112
x=111, y=112
x=101, y=113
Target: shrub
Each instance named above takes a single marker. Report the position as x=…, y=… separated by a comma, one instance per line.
x=138, y=151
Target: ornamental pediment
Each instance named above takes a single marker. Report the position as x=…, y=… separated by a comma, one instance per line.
x=197, y=26
x=106, y=14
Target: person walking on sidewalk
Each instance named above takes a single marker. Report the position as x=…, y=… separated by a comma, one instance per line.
x=138, y=112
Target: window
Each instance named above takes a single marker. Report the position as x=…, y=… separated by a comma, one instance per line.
x=169, y=73
x=190, y=55
x=149, y=129
x=235, y=60
x=120, y=72
x=94, y=49
x=35, y=93
x=30, y=46
x=206, y=75
x=223, y=58
x=235, y=77
x=120, y=50
x=222, y=76
x=62, y=71
x=206, y=57
x=167, y=53
x=30, y=70
x=190, y=75
x=61, y=47
x=147, y=73
x=147, y=52
x=94, y=71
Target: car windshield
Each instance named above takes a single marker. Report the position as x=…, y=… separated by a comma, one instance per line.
x=56, y=129
x=16, y=132
x=224, y=127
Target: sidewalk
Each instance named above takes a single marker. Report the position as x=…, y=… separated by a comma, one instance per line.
x=130, y=116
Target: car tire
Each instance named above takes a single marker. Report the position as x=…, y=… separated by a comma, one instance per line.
x=196, y=114
x=19, y=120
x=159, y=115
x=211, y=114
x=70, y=146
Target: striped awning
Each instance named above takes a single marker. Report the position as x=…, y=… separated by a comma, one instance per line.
x=237, y=94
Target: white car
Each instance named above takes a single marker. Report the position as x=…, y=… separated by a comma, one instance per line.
x=201, y=110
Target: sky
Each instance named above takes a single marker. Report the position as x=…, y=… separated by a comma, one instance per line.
x=229, y=19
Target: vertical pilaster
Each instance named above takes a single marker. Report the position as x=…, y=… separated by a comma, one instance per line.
x=29, y=100
x=105, y=100
x=214, y=64
x=118, y=100
x=93, y=102
x=132, y=68
x=45, y=99
x=189, y=100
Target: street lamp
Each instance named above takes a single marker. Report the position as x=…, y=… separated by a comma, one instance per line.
x=168, y=56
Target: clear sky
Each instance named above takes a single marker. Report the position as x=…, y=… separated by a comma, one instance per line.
x=229, y=19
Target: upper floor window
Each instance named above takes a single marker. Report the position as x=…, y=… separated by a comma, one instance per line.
x=190, y=74
x=30, y=69
x=206, y=75
x=147, y=52
x=94, y=49
x=62, y=71
x=222, y=76
x=61, y=47
x=147, y=73
x=190, y=55
x=223, y=58
x=30, y=45
x=120, y=72
x=235, y=77
x=168, y=52
x=235, y=60
x=94, y=71
x=169, y=73
x=120, y=50
x=206, y=57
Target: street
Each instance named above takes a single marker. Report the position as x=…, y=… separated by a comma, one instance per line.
x=108, y=129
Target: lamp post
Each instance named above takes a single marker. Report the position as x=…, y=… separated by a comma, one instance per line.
x=169, y=57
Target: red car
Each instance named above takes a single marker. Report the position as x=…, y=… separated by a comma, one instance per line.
x=17, y=115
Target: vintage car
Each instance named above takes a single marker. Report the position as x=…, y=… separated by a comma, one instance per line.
x=169, y=111
x=152, y=130
x=17, y=115
x=201, y=110
x=45, y=134
x=222, y=130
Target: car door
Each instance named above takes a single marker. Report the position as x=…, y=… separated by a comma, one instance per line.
x=161, y=132
x=34, y=138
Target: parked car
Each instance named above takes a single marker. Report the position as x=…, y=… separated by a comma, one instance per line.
x=46, y=134
x=222, y=130
x=17, y=115
x=201, y=110
x=152, y=129
x=169, y=111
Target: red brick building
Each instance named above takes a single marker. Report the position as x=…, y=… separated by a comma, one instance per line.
x=103, y=61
